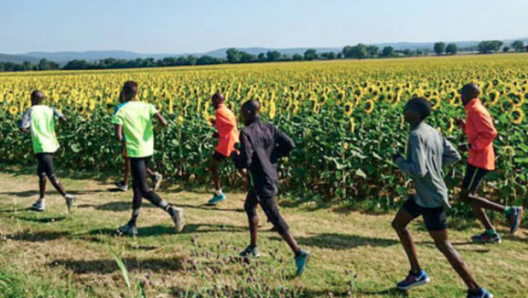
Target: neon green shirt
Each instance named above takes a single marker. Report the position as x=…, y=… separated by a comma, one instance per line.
x=41, y=120
x=136, y=119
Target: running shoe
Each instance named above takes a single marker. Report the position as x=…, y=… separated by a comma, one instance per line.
x=156, y=181
x=414, y=280
x=178, y=220
x=217, y=199
x=301, y=261
x=128, y=229
x=486, y=238
x=39, y=205
x=70, y=202
x=515, y=218
x=250, y=252
x=122, y=186
x=482, y=293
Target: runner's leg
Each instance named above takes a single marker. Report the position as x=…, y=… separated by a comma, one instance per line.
x=400, y=224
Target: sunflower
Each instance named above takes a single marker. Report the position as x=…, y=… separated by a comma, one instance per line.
x=349, y=108
x=516, y=99
x=180, y=120
x=346, y=145
x=13, y=110
x=508, y=151
x=451, y=126
x=518, y=116
x=494, y=98
x=352, y=125
x=369, y=106
x=435, y=103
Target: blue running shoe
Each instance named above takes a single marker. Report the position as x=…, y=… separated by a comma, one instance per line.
x=414, y=280
x=217, y=199
x=301, y=261
x=515, y=219
x=482, y=293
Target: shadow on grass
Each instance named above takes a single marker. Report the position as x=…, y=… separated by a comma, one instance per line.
x=115, y=206
x=39, y=219
x=210, y=208
x=35, y=193
x=99, y=176
x=42, y=236
x=343, y=241
x=110, y=266
x=392, y=292
x=167, y=230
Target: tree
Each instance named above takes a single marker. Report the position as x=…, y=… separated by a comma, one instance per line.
x=506, y=49
x=451, y=49
x=310, y=54
x=273, y=56
x=77, y=64
x=387, y=51
x=44, y=65
x=518, y=46
x=262, y=57
x=489, y=46
x=373, y=51
x=439, y=48
x=359, y=51
x=339, y=56
x=233, y=55
x=297, y=57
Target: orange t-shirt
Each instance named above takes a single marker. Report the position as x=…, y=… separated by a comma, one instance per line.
x=480, y=132
x=226, y=125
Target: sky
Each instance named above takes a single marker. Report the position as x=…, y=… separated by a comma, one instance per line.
x=197, y=26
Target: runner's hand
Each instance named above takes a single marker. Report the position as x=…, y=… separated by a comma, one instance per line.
x=460, y=123
x=464, y=147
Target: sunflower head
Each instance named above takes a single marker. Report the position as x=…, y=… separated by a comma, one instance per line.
x=13, y=110
x=349, y=108
x=369, y=106
x=518, y=116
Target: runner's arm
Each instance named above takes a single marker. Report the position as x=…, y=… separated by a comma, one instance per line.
x=450, y=155
x=119, y=133
x=284, y=143
x=161, y=119
x=486, y=131
x=246, y=152
x=59, y=115
x=25, y=123
x=415, y=166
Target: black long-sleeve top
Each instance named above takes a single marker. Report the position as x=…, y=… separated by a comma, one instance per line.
x=261, y=145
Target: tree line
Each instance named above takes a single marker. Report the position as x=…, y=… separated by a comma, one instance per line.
x=233, y=56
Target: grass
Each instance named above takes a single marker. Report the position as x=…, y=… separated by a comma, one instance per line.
x=56, y=254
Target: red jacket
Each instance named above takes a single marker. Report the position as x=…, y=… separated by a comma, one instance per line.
x=226, y=125
x=480, y=132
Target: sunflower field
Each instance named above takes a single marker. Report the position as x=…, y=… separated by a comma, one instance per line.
x=345, y=117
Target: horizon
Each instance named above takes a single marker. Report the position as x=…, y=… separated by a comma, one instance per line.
x=164, y=27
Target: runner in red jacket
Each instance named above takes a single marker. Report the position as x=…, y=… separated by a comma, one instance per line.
x=481, y=133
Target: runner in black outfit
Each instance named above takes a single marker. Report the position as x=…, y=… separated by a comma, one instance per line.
x=261, y=145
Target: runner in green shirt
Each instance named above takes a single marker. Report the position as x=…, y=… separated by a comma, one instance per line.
x=134, y=120
x=40, y=120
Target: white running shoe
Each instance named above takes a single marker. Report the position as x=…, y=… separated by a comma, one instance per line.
x=39, y=205
x=70, y=202
x=156, y=181
x=179, y=223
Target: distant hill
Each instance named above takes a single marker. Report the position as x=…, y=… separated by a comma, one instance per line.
x=17, y=58
x=64, y=57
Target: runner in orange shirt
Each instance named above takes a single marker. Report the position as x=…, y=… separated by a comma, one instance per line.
x=481, y=133
x=227, y=133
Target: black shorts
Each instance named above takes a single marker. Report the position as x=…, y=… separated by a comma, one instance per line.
x=45, y=165
x=435, y=218
x=270, y=208
x=219, y=156
x=473, y=178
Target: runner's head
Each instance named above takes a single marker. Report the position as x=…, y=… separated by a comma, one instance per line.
x=129, y=91
x=469, y=92
x=217, y=99
x=416, y=110
x=249, y=111
x=37, y=97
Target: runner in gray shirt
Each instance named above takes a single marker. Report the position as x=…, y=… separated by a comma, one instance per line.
x=427, y=152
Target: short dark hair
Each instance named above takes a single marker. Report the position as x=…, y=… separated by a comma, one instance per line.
x=422, y=105
x=218, y=96
x=470, y=91
x=252, y=106
x=37, y=96
x=130, y=88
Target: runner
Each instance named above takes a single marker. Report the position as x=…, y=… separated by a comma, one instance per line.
x=123, y=185
x=135, y=121
x=261, y=146
x=40, y=120
x=427, y=152
x=481, y=132
x=227, y=134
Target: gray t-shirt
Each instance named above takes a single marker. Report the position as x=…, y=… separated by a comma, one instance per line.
x=427, y=152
